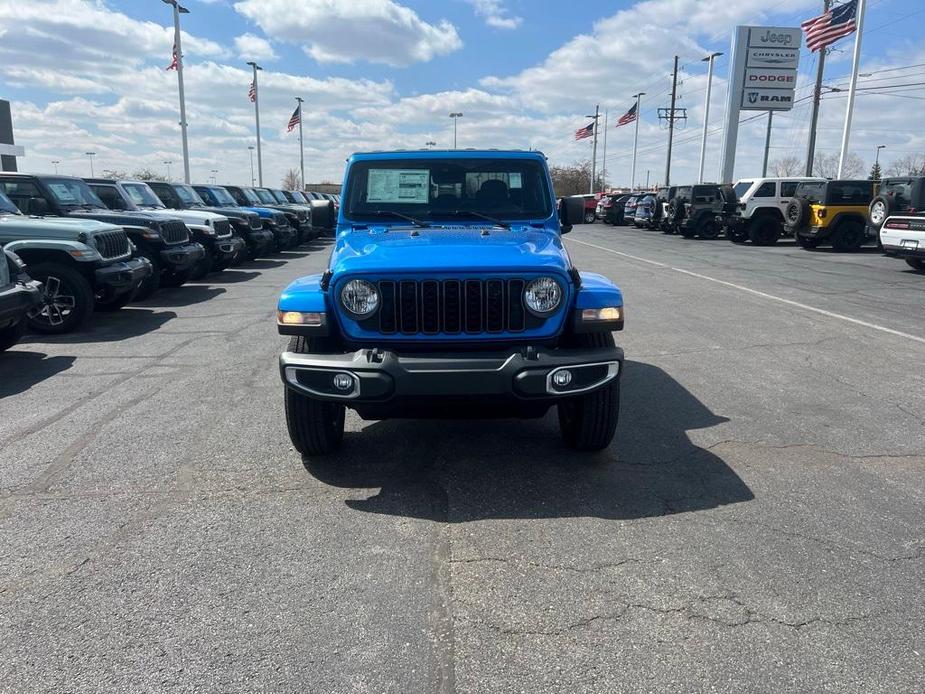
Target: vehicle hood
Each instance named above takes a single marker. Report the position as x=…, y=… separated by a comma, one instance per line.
x=61, y=227
x=449, y=248
x=230, y=212
x=136, y=218
x=200, y=217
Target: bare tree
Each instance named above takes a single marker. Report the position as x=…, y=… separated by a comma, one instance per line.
x=114, y=174
x=786, y=166
x=826, y=165
x=910, y=165
x=148, y=175
x=574, y=179
x=292, y=180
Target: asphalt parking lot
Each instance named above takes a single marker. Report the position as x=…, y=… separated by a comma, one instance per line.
x=758, y=524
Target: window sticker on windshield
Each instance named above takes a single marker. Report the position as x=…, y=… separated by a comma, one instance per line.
x=62, y=192
x=398, y=185
x=515, y=180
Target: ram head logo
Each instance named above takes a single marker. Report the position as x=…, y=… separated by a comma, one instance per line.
x=753, y=97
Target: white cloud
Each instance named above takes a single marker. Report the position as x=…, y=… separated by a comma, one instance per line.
x=251, y=47
x=332, y=31
x=495, y=14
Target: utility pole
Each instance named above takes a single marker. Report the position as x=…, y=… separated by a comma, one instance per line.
x=604, y=155
x=177, y=11
x=817, y=96
x=256, y=100
x=596, y=117
x=767, y=145
x=638, y=98
x=706, y=113
x=855, y=65
x=91, y=155
x=671, y=118
x=301, y=146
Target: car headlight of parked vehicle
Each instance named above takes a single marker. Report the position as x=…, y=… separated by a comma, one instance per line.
x=360, y=298
x=543, y=295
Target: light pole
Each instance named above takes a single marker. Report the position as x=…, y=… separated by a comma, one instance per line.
x=876, y=162
x=706, y=112
x=91, y=155
x=56, y=162
x=178, y=9
x=168, y=163
x=430, y=143
x=256, y=99
x=213, y=172
x=455, y=117
x=251, y=148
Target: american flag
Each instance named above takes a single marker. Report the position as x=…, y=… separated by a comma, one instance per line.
x=252, y=92
x=628, y=117
x=827, y=28
x=296, y=118
x=175, y=63
x=587, y=131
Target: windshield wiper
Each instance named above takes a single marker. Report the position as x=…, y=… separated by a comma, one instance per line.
x=477, y=215
x=398, y=215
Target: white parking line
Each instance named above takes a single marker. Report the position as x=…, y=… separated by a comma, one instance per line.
x=764, y=295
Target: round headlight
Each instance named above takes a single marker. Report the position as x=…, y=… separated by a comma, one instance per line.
x=360, y=298
x=543, y=295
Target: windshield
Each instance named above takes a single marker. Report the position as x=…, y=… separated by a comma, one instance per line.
x=188, y=195
x=811, y=191
x=6, y=205
x=69, y=192
x=264, y=196
x=251, y=196
x=222, y=196
x=280, y=197
x=142, y=195
x=298, y=197
x=741, y=188
x=439, y=188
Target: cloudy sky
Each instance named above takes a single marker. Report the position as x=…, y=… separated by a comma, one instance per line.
x=88, y=75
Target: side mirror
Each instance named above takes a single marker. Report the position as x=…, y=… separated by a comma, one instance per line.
x=323, y=214
x=38, y=207
x=571, y=212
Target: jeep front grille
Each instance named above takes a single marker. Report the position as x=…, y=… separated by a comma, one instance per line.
x=174, y=231
x=254, y=221
x=453, y=306
x=301, y=215
x=222, y=228
x=111, y=244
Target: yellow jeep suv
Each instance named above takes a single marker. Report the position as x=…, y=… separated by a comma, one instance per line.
x=830, y=212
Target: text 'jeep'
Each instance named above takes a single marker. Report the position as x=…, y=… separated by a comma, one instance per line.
x=449, y=294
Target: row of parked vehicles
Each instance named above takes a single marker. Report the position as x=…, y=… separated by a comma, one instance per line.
x=74, y=246
x=845, y=214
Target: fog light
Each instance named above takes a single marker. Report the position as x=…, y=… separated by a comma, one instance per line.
x=343, y=382
x=562, y=378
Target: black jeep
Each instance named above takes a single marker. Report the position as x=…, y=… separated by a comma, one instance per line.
x=699, y=217
x=903, y=195
x=19, y=294
x=247, y=224
x=164, y=242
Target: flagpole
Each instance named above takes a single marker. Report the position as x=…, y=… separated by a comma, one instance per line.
x=856, y=63
x=817, y=96
x=597, y=115
x=177, y=9
x=301, y=145
x=257, y=118
x=604, y=155
x=636, y=138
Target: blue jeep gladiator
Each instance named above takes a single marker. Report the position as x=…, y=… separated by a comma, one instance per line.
x=449, y=293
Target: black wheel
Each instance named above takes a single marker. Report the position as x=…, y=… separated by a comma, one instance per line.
x=764, y=231
x=203, y=267
x=708, y=229
x=916, y=263
x=589, y=217
x=588, y=422
x=115, y=303
x=67, y=299
x=807, y=242
x=11, y=334
x=688, y=232
x=316, y=427
x=151, y=283
x=849, y=236
x=177, y=279
x=797, y=214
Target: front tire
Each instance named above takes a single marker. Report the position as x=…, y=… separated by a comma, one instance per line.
x=67, y=299
x=916, y=263
x=316, y=427
x=588, y=422
x=589, y=218
x=152, y=282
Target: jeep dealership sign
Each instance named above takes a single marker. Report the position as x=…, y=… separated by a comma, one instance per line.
x=762, y=77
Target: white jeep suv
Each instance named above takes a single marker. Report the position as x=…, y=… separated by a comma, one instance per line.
x=762, y=203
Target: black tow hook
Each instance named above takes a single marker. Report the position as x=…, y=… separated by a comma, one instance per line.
x=530, y=353
x=375, y=356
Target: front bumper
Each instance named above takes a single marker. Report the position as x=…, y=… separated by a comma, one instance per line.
x=258, y=240
x=182, y=257
x=377, y=376
x=285, y=236
x=119, y=278
x=225, y=250
x=17, y=300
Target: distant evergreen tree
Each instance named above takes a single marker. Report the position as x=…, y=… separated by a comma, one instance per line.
x=875, y=173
